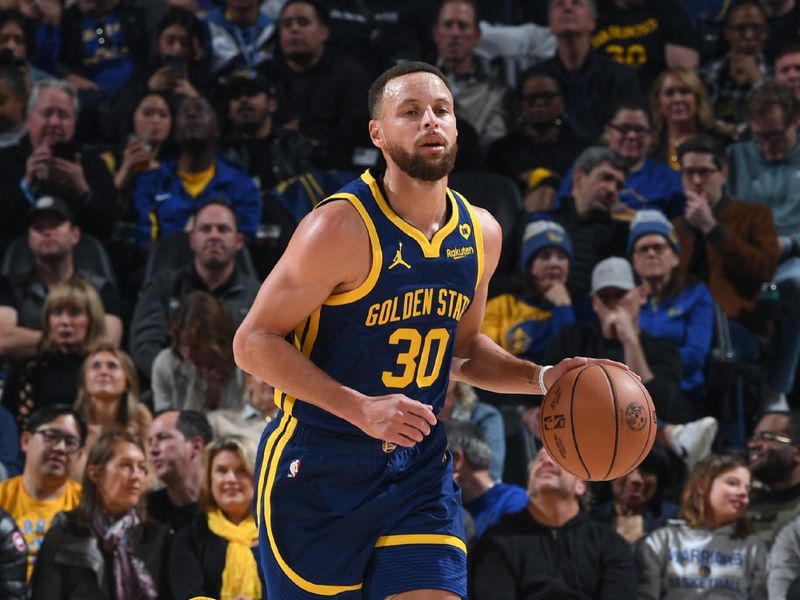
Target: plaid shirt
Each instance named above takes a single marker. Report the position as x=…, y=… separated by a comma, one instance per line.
x=725, y=95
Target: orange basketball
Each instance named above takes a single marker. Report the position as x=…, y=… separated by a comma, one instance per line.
x=598, y=422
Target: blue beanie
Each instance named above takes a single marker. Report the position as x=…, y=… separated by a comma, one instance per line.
x=649, y=221
x=543, y=234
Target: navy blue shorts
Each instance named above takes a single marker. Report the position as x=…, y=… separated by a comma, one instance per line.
x=339, y=517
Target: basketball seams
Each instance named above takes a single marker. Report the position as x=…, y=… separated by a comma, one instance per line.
x=572, y=422
x=616, y=421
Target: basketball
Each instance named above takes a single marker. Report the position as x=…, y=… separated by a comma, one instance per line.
x=598, y=422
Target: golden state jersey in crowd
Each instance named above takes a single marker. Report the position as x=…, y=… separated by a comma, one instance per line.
x=395, y=332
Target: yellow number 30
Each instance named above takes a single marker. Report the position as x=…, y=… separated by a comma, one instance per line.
x=422, y=370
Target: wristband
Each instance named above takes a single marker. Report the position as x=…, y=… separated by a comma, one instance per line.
x=542, y=371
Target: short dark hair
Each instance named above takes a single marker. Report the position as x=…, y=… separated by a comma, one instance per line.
x=48, y=414
x=222, y=201
x=464, y=437
x=788, y=49
x=738, y=5
x=322, y=13
x=539, y=72
x=12, y=15
x=472, y=3
x=792, y=423
x=769, y=95
x=375, y=97
x=703, y=144
x=193, y=423
x=631, y=105
x=594, y=156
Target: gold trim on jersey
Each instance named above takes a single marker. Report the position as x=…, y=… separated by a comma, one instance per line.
x=388, y=541
x=305, y=335
x=377, y=256
x=266, y=479
x=478, y=232
x=430, y=248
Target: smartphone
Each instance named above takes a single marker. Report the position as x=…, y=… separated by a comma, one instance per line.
x=174, y=62
x=65, y=150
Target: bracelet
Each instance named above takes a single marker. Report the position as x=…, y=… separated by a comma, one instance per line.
x=542, y=371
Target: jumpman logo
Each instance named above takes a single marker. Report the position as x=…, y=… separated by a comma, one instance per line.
x=398, y=258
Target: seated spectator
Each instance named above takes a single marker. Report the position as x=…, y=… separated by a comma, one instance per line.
x=74, y=325
x=10, y=456
x=650, y=183
x=485, y=497
x=552, y=549
x=166, y=198
x=787, y=68
x=599, y=175
x=108, y=398
x=617, y=335
x=593, y=82
x=214, y=240
x=763, y=171
x=320, y=92
x=268, y=154
x=197, y=371
x=47, y=162
x=175, y=443
x=783, y=563
x=239, y=33
x=681, y=111
x=774, y=460
x=13, y=559
x=258, y=409
x=540, y=151
x=17, y=36
x=216, y=554
x=14, y=89
x=106, y=547
x=676, y=311
x=479, y=98
x=637, y=505
x=51, y=443
x=712, y=548
x=730, y=79
x=525, y=322
x=461, y=403
x=52, y=237
x=648, y=36
x=45, y=17
x=147, y=139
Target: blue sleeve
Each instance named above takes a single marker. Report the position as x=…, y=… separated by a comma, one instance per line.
x=565, y=191
x=47, y=47
x=248, y=207
x=142, y=201
x=699, y=330
x=10, y=454
x=561, y=315
x=490, y=421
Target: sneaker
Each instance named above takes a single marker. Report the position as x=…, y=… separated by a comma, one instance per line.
x=772, y=400
x=693, y=440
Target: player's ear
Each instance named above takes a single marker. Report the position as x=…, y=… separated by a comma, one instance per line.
x=376, y=133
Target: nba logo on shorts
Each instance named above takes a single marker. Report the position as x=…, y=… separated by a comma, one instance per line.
x=294, y=467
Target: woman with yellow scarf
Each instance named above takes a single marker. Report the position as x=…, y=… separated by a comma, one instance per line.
x=214, y=555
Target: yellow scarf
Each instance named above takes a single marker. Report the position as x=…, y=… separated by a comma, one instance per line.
x=240, y=576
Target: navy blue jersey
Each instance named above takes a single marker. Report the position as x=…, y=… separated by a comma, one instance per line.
x=395, y=332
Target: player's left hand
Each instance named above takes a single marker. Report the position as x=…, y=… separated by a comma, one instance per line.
x=568, y=364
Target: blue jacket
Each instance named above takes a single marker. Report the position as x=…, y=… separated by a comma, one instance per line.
x=499, y=500
x=687, y=321
x=162, y=205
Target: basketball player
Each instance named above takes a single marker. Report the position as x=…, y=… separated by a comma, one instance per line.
x=382, y=287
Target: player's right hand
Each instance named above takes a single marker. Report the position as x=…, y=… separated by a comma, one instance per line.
x=396, y=418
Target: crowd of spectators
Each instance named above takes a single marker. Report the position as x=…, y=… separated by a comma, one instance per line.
x=156, y=155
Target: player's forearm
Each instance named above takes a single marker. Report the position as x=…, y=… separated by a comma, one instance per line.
x=271, y=358
x=486, y=365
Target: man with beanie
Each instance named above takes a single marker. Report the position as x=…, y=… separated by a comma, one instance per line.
x=525, y=322
x=551, y=549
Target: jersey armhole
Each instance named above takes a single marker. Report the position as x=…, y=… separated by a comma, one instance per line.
x=476, y=228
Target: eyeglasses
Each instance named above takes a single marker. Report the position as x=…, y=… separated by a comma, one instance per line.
x=638, y=130
x=658, y=248
x=53, y=437
x=768, y=436
x=543, y=96
x=746, y=28
x=768, y=136
x=701, y=172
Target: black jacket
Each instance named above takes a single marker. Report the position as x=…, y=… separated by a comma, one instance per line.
x=72, y=566
x=520, y=559
x=13, y=559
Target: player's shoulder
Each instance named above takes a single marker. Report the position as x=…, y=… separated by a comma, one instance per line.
x=335, y=221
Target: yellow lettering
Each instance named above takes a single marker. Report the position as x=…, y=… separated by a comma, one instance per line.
x=408, y=305
x=442, y=310
x=372, y=315
x=394, y=317
x=386, y=312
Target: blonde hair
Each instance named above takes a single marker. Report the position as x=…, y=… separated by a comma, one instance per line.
x=237, y=444
x=129, y=408
x=79, y=294
x=696, y=507
x=704, y=117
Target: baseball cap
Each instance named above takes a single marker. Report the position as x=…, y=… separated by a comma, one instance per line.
x=249, y=78
x=52, y=204
x=613, y=272
x=649, y=221
x=543, y=234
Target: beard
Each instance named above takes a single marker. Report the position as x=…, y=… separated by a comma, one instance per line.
x=421, y=168
x=771, y=469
